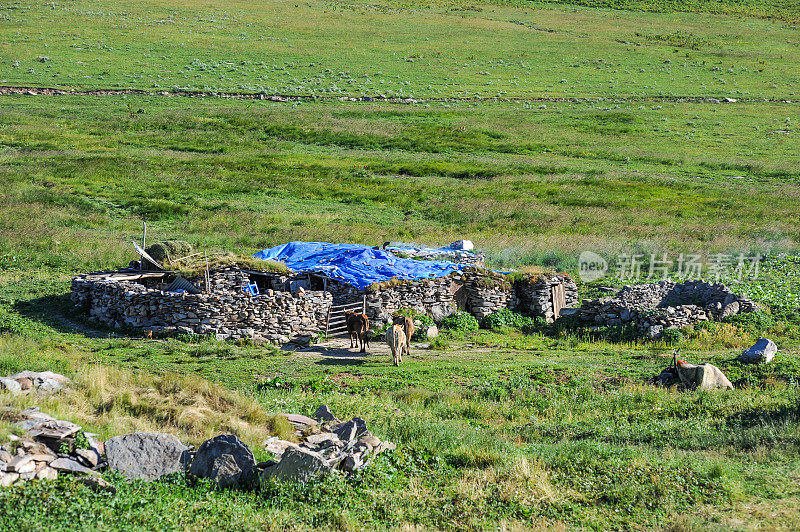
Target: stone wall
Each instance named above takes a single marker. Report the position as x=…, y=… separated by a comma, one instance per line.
x=433, y=297
x=486, y=294
x=227, y=312
x=534, y=294
x=278, y=315
x=664, y=305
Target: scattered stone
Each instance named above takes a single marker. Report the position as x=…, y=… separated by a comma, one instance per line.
x=300, y=422
x=7, y=479
x=89, y=457
x=52, y=433
x=226, y=472
x=764, y=350
x=146, y=455
x=323, y=439
x=98, y=484
x=70, y=466
x=349, y=430
x=297, y=465
x=703, y=377
x=351, y=463
x=323, y=414
x=18, y=462
x=277, y=447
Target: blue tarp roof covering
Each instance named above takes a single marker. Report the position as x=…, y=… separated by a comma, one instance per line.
x=355, y=264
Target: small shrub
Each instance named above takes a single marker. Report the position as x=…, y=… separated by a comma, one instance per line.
x=461, y=321
x=507, y=318
x=672, y=336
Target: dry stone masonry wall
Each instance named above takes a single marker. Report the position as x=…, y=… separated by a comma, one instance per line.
x=279, y=315
x=664, y=305
x=228, y=312
x=535, y=294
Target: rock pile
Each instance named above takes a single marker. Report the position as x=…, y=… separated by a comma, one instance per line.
x=52, y=447
x=26, y=382
x=49, y=448
x=663, y=305
x=330, y=445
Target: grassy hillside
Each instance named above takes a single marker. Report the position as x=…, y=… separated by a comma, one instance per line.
x=405, y=49
x=524, y=182
x=542, y=129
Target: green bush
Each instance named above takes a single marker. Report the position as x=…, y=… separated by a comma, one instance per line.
x=506, y=318
x=672, y=336
x=461, y=321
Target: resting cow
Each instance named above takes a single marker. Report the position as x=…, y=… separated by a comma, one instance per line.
x=357, y=327
x=396, y=339
x=408, y=329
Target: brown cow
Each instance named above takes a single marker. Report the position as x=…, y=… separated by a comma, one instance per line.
x=357, y=328
x=408, y=328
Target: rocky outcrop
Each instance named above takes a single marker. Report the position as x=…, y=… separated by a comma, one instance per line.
x=25, y=382
x=49, y=448
x=146, y=455
x=334, y=446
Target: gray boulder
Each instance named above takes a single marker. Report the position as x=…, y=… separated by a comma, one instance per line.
x=654, y=332
x=298, y=465
x=146, y=455
x=763, y=350
x=432, y=331
x=224, y=458
x=441, y=311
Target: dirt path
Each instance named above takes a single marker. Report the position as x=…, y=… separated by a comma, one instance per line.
x=47, y=91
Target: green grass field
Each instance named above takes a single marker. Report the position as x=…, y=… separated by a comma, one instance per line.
x=540, y=130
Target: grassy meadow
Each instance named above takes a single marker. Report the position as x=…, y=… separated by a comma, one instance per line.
x=540, y=130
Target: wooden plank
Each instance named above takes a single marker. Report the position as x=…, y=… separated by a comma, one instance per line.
x=559, y=300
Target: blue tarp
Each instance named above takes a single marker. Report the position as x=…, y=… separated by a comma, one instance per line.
x=355, y=264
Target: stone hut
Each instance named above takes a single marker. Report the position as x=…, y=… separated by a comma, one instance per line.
x=237, y=302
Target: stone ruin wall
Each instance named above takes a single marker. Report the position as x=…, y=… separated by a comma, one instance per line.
x=477, y=293
x=535, y=295
x=228, y=312
x=278, y=315
x=652, y=308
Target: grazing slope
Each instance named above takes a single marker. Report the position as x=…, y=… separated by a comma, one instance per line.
x=541, y=129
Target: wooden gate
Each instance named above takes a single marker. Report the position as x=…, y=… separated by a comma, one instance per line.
x=559, y=300
x=336, y=324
